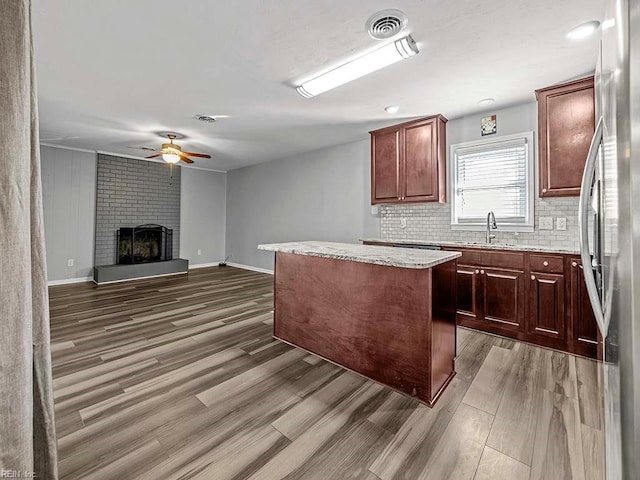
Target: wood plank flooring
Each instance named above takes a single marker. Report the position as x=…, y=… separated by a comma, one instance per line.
x=179, y=378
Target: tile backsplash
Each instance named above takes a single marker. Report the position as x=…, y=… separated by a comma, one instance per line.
x=432, y=222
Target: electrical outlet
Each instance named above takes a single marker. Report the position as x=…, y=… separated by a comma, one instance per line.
x=70, y=262
x=403, y=223
x=546, y=223
x=375, y=210
x=199, y=252
x=561, y=223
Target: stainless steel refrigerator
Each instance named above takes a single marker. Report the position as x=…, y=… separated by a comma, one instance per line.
x=610, y=232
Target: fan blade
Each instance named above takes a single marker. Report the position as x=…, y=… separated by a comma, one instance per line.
x=200, y=155
x=154, y=156
x=145, y=148
x=185, y=159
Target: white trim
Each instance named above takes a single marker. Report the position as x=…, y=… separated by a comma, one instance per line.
x=249, y=267
x=140, y=278
x=68, y=281
x=43, y=144
x=203, y=265
x=531, y=183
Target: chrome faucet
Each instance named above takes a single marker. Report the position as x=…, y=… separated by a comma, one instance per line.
x=491, y=224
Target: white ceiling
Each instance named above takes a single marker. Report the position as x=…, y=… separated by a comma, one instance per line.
x=113, y=72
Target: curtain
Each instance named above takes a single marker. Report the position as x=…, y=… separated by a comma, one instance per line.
x=27, y=433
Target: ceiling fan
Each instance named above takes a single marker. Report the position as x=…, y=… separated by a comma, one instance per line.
x=172, y=153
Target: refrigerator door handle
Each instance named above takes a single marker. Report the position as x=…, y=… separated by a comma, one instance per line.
x=583, y=222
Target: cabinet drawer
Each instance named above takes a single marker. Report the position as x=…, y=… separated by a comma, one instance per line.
x=513, y=260
x=469, y=257
x=546, y=263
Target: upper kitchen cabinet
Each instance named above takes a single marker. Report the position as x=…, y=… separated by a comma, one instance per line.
x=566, y=122
x=408, y=162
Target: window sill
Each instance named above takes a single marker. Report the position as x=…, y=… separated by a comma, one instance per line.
x=502, y=227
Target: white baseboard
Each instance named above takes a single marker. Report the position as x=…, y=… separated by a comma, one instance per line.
x=69, y=281
x=204, y=265
x=249, y=267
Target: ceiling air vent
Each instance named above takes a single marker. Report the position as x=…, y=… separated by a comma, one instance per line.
x=206, y=118
x=386, y=24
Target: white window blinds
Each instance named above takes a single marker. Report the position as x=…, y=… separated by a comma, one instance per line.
x=492, y=177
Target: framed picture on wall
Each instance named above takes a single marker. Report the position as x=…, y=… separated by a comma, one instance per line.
x=489, y=125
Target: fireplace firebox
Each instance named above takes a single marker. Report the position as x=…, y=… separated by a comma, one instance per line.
x=144, y=244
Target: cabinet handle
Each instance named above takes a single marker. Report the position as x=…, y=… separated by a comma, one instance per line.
x=574, y=264
x=544, y=190
x=545, y=263
x=533, y=277
x=477, y=272
x=481, y=272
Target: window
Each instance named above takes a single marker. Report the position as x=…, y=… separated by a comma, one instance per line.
x=493, y=175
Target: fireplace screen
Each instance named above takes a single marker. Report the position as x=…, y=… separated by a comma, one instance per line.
x=144, y=244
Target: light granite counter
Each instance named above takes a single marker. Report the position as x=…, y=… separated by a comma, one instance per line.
x=494, y=246
x=378, y=255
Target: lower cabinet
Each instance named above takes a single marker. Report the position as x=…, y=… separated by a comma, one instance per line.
x=546, y=307
x=541, y=301
x=584, y=335
x=467, y=279
x=491, y=299
x=503, y=298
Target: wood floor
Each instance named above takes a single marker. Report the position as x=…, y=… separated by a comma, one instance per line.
x=179, y=378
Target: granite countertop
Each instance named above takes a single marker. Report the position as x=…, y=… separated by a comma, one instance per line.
x=495, y=246
x=378, y=255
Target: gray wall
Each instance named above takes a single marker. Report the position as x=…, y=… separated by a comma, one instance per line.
x=203, y=208
x=320, y=195
x=133, y=192
x=69, y=194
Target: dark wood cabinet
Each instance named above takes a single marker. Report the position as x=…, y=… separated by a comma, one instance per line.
x=546, y=315
x=467, y=305
x=503, y=302
x=408, y=162
x=584, y=329
x=385, y=166
x=566, y=122
x=490, y=291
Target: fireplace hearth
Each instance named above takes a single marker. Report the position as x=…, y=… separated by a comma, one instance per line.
x=144, y=244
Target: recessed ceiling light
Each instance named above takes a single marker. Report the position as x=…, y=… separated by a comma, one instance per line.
x=392, y=108
x=583, y=30
x=384, y=56
x=486, y=102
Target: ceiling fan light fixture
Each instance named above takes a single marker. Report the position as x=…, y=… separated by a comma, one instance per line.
x=172, y=158
x=382, y=57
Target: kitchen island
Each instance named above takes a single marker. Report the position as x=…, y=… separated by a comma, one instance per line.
x=383, y=312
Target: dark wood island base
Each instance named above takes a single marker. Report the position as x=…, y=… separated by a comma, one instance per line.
x=393, y=325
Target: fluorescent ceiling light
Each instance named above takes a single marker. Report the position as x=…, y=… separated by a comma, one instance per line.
x=389, y=54
x=583, y=31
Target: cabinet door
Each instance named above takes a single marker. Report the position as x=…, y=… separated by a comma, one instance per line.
x=584, y=329
x=385, y=166
x=467, y=293
x=546, y=305
x=421, y=162
x=503, y=303
x=566, y=117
